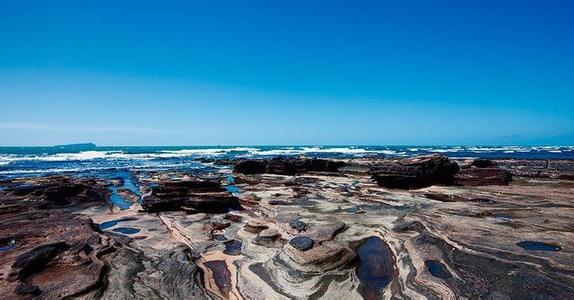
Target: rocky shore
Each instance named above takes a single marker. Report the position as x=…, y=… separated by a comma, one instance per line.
x=291, y=228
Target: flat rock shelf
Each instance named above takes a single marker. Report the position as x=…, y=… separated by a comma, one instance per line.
x=294, y=228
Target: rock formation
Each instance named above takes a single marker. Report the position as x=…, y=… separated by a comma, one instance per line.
x=191, y=195
x=287, y=166
x=295, y=230
x=414, y=172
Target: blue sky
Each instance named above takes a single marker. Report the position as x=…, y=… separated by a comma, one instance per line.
x=291, y=72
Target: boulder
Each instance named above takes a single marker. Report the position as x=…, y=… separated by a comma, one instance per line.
x=415, y=172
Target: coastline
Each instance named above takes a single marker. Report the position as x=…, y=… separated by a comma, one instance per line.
x=294, y=227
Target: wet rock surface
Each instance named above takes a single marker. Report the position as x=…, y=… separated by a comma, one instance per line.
x=448, y=232
x=301, y=243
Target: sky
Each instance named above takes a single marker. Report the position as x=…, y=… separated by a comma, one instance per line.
x=287, y=72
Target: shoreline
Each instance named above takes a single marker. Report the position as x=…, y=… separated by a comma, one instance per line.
x=422, y=226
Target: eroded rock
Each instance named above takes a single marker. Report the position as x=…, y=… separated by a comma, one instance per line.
x=482, y=176
x=196, y=194
x=287, y=166
x=414, y=172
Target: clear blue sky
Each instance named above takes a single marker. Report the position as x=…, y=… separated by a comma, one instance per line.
x=289, y=72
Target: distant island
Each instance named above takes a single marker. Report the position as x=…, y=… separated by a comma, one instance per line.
x=77, y=147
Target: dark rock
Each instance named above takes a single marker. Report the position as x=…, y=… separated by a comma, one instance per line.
x=301, y=243
x=375, y=267
x=482, y=163
x=220, y=225
x=251, y=167
x=76, y=249
x=197, y=195
x=279, y=202
x=415, y=172
x=55, y=192
x=28, y=289
x=287, y=166
x=482, y=176
x=298, y=225
x=221, y=275
x=36, y=259
x=233, y=247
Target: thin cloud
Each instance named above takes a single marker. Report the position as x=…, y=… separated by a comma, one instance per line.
x=55, y=127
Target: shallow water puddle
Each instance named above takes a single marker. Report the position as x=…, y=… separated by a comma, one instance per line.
x=233, y=247
x=231, y=186
x=376, y=267
x=221, y=276
x=112, y=223
x=7, y=245
x=219, y=237
x=538, y=246
x=127, y=184
x=126, y=230
x=437, y=269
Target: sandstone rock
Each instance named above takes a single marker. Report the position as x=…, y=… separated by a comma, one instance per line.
x=71, y=265
x=287, y=166
x=197, y=194
x=327, y=256
x=249, y=200
x=537, y=168
x=415, y=172
x=482, y=176
x=268, y=237
x=255, y=227
x=324, y=230
x=163, y=274
x=445, y=197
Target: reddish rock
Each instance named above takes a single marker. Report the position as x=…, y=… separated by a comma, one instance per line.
x=55, y=256
x=482, y=176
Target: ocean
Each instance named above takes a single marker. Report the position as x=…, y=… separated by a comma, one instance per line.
x=94, y=160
